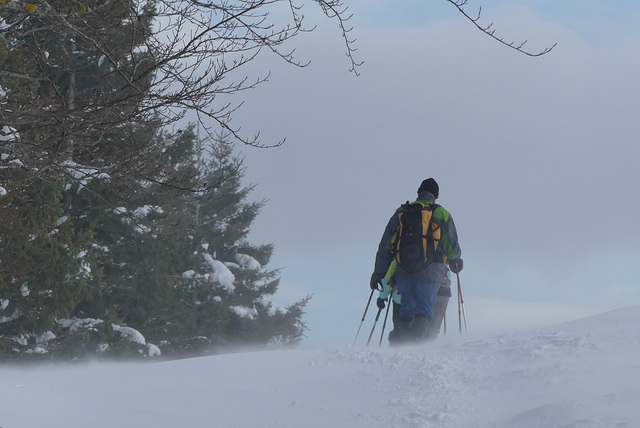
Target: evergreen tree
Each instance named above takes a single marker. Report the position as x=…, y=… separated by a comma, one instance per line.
x=202, y=284
x=97, y=234
x=57, y=150
x=45, y=265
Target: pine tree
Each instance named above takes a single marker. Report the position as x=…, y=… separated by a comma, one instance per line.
x=223, y=222
x=58, y=158
x=98, y=235
x=204, y=285
x=45, y=268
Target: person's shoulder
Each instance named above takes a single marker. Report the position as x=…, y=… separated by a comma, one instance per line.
x=441, y=212
x=403, y=206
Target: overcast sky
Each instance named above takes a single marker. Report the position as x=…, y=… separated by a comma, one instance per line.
x=536, y=157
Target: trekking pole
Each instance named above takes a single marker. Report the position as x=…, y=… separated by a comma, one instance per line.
x=385, y=317
x=444, y=320
x=461, y=314
x=364, y=315
x=374, y=325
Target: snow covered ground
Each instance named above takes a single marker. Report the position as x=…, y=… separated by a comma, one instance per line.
x=582, y=374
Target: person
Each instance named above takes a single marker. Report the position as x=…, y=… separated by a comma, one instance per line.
x=439, y=310
x=418, y=290
x=387, y=284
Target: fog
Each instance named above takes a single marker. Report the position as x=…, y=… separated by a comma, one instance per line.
x=535, y=157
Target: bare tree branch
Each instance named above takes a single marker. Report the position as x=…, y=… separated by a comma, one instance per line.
x=489, y=31
x=139, y=65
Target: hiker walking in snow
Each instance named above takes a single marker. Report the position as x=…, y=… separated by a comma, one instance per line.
x=439, y=310
x=422, y=238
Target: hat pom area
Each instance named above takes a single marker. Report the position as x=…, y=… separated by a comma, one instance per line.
x=430, y=185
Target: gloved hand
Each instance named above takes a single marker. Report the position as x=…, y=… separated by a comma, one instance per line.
x=384, y=293
x=396, y=296
x=375, y=281
x=380, y=302
x=455, y=265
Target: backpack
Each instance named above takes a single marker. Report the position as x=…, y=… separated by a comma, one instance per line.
x=417, y=236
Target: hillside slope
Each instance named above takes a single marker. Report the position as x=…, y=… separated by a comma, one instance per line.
x=579, y=374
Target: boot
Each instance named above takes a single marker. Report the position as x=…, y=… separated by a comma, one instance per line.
x=401, y=332
x=420, y=328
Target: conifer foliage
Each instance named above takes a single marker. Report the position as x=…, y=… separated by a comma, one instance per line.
x=164, y=272
x=208, y=285
x=117, y=237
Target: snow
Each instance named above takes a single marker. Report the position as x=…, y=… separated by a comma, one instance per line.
x=24, y=290
x=36, y=350
x=272, y=308
x=221, y=274
x=232, y=265
x=8, y=133
x=85, y=270
x=74, y=324
x=582, y=374
x=48, y=335
x=247, y=262
x=90, y=323
x=120, y=210
x=130, y=333
x=153, y=350
x=145, y=210
x=100, y=248
x=244, y=312
x=188, y=274
x=83, y=174
x=138, y=214
x=12, y=317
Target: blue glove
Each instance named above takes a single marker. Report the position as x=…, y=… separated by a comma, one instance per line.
x=386, y=290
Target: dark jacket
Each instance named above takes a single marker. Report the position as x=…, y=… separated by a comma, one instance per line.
x=448, y=247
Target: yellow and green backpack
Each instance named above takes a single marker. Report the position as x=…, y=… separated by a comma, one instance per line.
x=417, y=236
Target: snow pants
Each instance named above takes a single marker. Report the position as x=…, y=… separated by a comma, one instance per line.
x=418, y=298
x=433, y=328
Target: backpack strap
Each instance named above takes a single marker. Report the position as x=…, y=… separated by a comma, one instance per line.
x=433, y=241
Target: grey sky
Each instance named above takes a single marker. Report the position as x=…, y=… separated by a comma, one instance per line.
x=536, y=159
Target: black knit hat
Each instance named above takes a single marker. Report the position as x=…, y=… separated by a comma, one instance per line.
x=429, y=185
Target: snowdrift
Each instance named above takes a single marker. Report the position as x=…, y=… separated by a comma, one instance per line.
x=583, y=374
